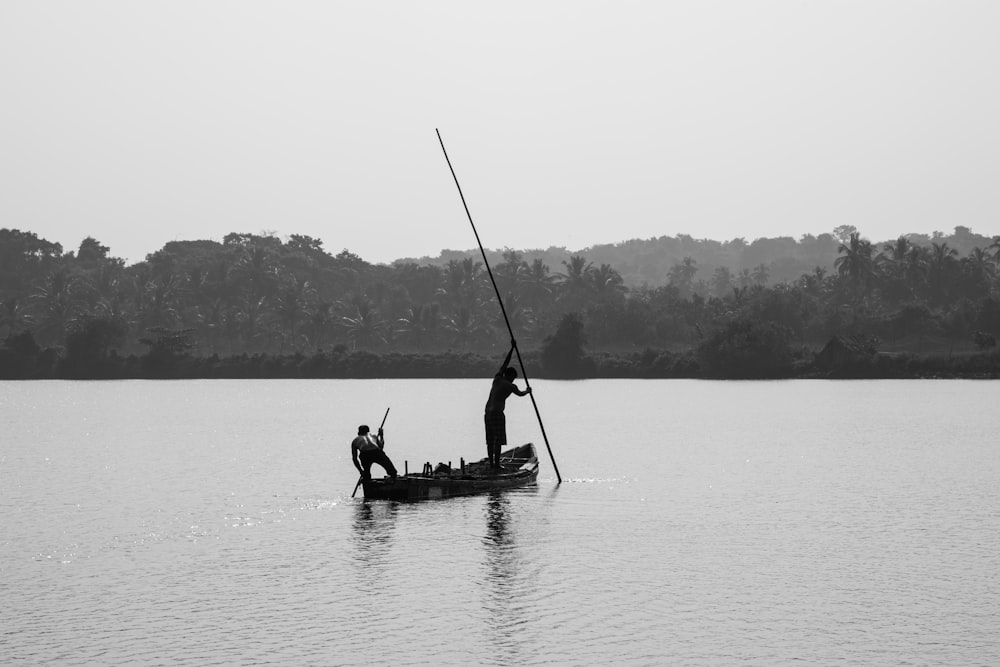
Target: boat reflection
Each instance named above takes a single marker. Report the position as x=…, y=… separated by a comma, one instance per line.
x=374, y=524
x=497, y=528
x=506, y=582
x=372, y=535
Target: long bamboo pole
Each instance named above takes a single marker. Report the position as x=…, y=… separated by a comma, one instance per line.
x=503, y=310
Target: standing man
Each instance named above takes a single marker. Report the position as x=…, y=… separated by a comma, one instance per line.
x=496, y=423
x=370, y=450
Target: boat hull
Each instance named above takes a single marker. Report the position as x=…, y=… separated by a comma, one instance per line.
x=519, y=467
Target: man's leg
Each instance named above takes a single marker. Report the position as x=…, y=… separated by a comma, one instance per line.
x=491, y=436
x=384, y=461
x=501, y=438
x=366, y=464
x=488, y=422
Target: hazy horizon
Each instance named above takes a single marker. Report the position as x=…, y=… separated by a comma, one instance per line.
x=463, y=250
x=569, y=125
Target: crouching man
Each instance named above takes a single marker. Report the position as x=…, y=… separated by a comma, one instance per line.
x=370, y=449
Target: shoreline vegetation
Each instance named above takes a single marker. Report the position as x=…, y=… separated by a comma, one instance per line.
x=255, y=306
x=840, y=359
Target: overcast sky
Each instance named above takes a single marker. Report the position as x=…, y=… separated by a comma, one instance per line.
x=569, y=123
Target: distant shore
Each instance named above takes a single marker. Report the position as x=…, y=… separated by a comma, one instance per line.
x=647, y=364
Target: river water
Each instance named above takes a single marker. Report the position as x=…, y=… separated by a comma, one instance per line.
x=698, y=523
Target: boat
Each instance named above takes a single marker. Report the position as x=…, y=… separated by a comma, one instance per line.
x=518, y=467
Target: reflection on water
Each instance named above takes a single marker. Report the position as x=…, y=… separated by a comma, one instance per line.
x=373, y=524
x=500, y=544
x=373, y=527
x=497, y=518
x=505, y=586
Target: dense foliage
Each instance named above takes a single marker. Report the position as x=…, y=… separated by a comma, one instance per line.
x=220, y=308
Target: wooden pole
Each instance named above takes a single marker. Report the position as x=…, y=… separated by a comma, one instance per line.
x=502, y=309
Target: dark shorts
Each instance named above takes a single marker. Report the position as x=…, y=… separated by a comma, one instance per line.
x=370, y=456
x=496, y=429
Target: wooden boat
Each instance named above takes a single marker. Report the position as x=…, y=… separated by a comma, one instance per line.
x=519, y=467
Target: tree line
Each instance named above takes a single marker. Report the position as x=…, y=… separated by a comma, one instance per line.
x=251, y=297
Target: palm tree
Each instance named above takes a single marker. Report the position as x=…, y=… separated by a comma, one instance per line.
x=682, y=276
x=160, y=301
x=897, y=251
x=814, y=283
x=575, y=288
x=942, y=255
x=978, y=271
x=251, y=322
x=983, y=262
x=319, y=324
x=462, y=283
x=892, y=269
x=510, y=273
x=761, y=274
x=575, y=277
x=519, y=318
x=291, y=306
x=606, y=282
x=59, y=300
x=14, y=315
x=856, y=265
x=916, y=267
x=466, y=328
x=942, y=268
x=104, y=280
x=539, y=284
x=722, y=281
x=210, y=322
x=112, y=308
x=421, y=325
x=258, y=271
x=364, y=326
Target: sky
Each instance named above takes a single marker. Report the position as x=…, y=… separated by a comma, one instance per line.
x=568, y=123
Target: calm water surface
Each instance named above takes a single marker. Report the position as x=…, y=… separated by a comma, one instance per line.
x=699, y=523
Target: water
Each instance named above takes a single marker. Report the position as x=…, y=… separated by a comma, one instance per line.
x=699, y=523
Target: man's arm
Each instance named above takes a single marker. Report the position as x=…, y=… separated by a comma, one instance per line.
x=380, y=438
x=354, y=455
x=526, y=391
